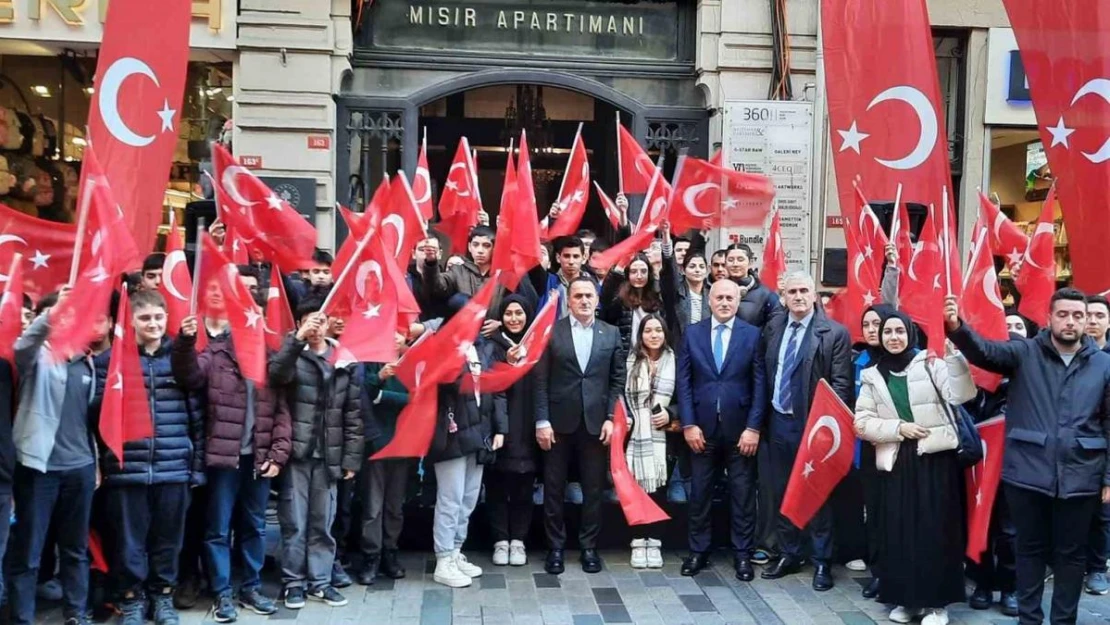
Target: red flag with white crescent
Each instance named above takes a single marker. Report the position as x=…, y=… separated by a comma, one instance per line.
x=575, y=191
x=981, y=303
x=774, y=257
x=459, y=204
x=279, y=316
x=707, y=196
x=177, y=285
x=532, y=345
x=1037, y=279
x=135, y=114
x=869, y=232
x=11, y=310
x=1007, y=240
x=611, y=211
x=982, y=485
x=358, y=224
x=636, y=167
x=824, y=458
x=654, y=212
x=125, y=412
x=46, y=248
x=369, y=299
x=401, y=226
x=922, y=297
x=422, y=182
x=235, y=303
x=638, y=507
x=863, y=284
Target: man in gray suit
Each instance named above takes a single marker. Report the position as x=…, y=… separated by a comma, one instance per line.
x=578, y=382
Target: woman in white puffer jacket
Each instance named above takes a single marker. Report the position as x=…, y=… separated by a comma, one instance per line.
x=904, y=408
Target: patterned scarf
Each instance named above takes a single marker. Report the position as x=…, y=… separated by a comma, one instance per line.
x=647, y=446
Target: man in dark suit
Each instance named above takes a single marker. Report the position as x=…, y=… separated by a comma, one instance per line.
x=721, y=389
x=578, y=382
x=801, y=347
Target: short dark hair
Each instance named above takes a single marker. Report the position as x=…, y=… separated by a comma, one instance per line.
x=307, y=306
x=249, y=271
x=28, y=303
x=147, y=298
x=48, y=301
x=481, y=231
x=1098, y=299
x=154, y=262
x=586, y=233
x=322, y=257
x=680, y=239
x=1066, y=294
x=582, y=278
x=720, y=253
x=562, y=243
x=599, y=245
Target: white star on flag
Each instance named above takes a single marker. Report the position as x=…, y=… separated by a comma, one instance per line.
x=978, y=498
x=852, y=138
x=39, y=259
x=118, y=386
x=372, y=311
x=807, y=469
x=167, y=117
x=451, y=184
x=1014, y=256
x=936, y=282
x=868, y=299
x=730, y=204
x=274, y=201
x=1060, y=133
x=868, y=251
x=252, y=318
x=464, y=347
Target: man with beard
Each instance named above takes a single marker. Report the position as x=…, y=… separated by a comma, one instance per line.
x=1054, y=468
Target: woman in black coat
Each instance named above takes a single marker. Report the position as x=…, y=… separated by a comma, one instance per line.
x=630, y=295
x=510, y=480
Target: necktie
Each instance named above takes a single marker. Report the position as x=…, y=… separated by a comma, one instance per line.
x=789, y=363
x=719, y=346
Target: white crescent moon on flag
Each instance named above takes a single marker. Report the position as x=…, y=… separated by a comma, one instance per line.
x=1101, y=88
x=422, y=172
x=913, y=258
x=231, y=188
x=173, y=259
x=644, y=158
x=990, y=290
x=459, y=191
x=398, y=225
x=869, y=214
x=855, y=269
x=9, y=238
x=419, y=371
x=926, y=115
x=690, y=197
x=108, y=99
x=1041, y=230
x=826, y=421
x=365, y=269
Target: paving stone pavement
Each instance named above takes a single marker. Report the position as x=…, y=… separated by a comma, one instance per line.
x=528, y=596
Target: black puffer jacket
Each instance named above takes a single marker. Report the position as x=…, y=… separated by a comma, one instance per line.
x=175, y=455
x=324, y=404
x=520, y=450
x=759, y=303
x=615, y=312
x=475, y=424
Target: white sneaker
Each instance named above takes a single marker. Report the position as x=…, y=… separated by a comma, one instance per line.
x=465, y=566
x=447, y=573
x=936, y=616
x=903, y=615
x=654, y=553
x=518, y=556
x=856, y=565
x=500, y=553
x=639, y=554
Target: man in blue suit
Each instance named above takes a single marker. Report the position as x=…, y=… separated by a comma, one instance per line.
x=721, y=389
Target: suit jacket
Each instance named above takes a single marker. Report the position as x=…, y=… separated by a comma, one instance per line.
x=565, y=395
x=738, y=393
x=826, y=352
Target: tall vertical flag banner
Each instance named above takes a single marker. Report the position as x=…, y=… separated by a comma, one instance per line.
x=1065, y=48
x=1037, y=279
x=459, y=204
x=982, y=485
x=135, y=118
x=574, y=191
x=981, y=303
x=422, y=181
x=177, y=285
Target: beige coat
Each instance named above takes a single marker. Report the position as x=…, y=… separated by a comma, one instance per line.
x=877, y=419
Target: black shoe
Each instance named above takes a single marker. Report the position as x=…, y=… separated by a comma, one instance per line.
x=694, y=563
x=872, y=589
x=391, y=566
x=785, y=566
x=187, y=594
x=293, y=598
x=744, y=571
x=369, y=573
x=161, y=607
x=223, y=611
x=339, y=577
x=554, y=563
x=822, y=577
x=1008, y=603
x=980, y=599
x=328, y=595
x=253, y=600
x=591, y=562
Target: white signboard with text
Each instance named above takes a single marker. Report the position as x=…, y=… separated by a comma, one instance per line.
x=774, y=138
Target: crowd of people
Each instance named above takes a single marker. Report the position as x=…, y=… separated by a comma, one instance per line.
x=717, y=370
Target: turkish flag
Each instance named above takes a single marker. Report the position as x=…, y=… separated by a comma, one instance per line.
x=401, y=226
x=636, y=168
x=242, y=313
x=863, y=284
x=534, y=342
x=639, y=508
x=824, y=458
x=177, y=285
x=279, y=316
x=46, y=248
x=236, y=249
x=265, y=221
x=422, y=182
x=502, y=247
x=708, y=196
x=125, y=413
x=1065, y=48
x=774, y=257
x=371, y=305
x=611, y=210
x=869, y=233
x=358, y=224
x=11, y=310
x=1007, y=240
x=900, y=236
x=922, y=296
x=982, y=485
x=516, y=250
x=1037, y=279
x=653, y=214
x=575, y=192
x=459, y=204
x=885, y=114
x=981, y=303
x=134, y=120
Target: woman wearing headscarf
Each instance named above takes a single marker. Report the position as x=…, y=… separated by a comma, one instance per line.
x=510, y=480
x=648, y=390
x=904, y=409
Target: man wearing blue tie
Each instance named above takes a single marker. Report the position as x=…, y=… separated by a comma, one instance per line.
x=802, y=347
x=721, y=391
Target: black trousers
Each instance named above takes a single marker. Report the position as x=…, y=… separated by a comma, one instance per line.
x=1048, y=527
x=786, y=437
x=1098, y=549
x=191, y=562
x=382, y=486
x=996, y=569
x=341, y=527
x=722, y=453
x=869, y=477
x=509, y=504
x=148, y=526
x=592, y=459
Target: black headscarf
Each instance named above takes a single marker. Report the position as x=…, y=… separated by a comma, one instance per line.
x=896, y=363
x=874, y=352
x=528, y=316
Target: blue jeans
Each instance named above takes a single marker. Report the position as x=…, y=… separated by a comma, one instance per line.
x=67, y=497
x=236, y=493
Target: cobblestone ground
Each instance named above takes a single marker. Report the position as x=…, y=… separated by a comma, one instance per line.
x=528, y=596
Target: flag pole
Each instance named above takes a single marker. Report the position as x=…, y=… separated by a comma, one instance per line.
x=896, y=217
x=196, y=267
x=82, y=223
x=947, y=241
x=347, y=268
x=620, y=161
x=16, y=259
x=976, y=246
x=566, y=170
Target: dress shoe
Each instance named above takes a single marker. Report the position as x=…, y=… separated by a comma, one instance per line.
x=694, y=563
x=785, y=566
x=554, y=562
x=980, y=599
x=744, y=571
x=591, y=562
x=369, y=572
x=391, y=566
x=1008, y=604
x=822, y=577
x=872, y=589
